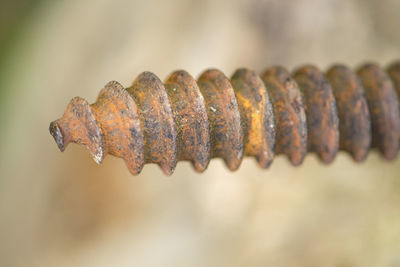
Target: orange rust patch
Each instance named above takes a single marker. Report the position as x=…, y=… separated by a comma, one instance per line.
x=291, y=126
x=190, y=118
x=223, y=113
x=258, y=120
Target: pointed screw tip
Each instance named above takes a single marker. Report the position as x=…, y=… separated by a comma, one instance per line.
x=57, y=135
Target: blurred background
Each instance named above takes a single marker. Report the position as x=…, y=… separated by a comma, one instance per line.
x=61, y=209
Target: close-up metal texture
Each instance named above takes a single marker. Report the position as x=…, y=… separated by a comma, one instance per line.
x=240, y=133
x=247, y=115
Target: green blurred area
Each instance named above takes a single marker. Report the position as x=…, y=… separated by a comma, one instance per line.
x=14, y=23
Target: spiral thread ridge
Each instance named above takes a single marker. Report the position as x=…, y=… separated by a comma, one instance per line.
x=248, y=115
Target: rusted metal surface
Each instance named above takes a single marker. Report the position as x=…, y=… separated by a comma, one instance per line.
x=157, y=121
x=79, y=125
x=290, y=117
x=190, y=119
x=258, y=121
x=320, y=106
x=223, y=113
x=394, y=73
x=384, y=109
x=354, y=119
x=118, y=117
x=248, y=115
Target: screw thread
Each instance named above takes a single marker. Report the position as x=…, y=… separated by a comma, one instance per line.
x=248, y=115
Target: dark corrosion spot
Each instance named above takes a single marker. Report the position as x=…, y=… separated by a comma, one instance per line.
x=134, y=133
x=219, y=136
x=57, y=135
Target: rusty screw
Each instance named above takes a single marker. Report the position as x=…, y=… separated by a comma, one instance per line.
x=251, y=115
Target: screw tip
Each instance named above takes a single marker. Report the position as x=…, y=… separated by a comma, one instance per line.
x=57, y=135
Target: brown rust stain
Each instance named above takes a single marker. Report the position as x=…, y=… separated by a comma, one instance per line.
x=257, y=115
x=384, y=109
x=291, y=126
x=224, y=117
x=320, y=107
x=394, y=73
x=118, y=116
x=78, y=125
x=190, y=118
x=157, y=121
x=354, y=118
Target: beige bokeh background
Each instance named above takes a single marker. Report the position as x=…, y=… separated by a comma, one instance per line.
x=61, y=209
